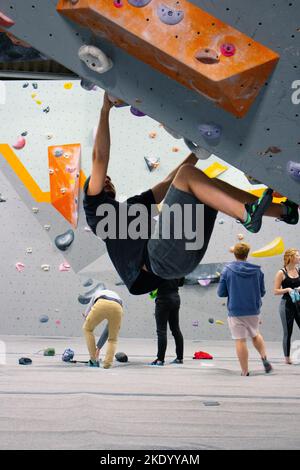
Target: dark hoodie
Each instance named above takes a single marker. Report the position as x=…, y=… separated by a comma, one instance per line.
x=243, y=284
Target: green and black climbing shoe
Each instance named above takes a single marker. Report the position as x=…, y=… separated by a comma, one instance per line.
x=256, y=210
x=292, y=213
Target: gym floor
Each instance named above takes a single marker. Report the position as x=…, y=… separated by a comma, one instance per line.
x=198, y=405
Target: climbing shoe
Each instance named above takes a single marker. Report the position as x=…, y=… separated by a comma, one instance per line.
x=267, y=365
x=256, y=210
x=292, y=215
x=157, y=363
x=92, y=363
x=177, y=361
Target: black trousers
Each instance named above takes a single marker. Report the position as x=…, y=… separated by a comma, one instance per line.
x=167, y=311
x=289, y=314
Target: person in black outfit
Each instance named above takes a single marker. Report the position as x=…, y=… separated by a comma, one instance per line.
x=167, y=305
x=287, y=280
x=144, y=261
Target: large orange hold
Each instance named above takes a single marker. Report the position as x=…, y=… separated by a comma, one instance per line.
x=200, y=51
x=64, y=174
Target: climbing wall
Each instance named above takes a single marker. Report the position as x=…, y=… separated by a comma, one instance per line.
x=44, y=288
x=262, y=139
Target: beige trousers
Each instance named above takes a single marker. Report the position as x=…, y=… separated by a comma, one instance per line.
x=103, y=310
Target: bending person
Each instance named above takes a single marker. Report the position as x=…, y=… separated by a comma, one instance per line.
x=104, y=305
x=144, y=260
x=167, y=305
x=286, y=280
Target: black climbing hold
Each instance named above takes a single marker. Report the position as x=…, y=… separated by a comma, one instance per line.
x=88, y=283
x=24, y=361
x=121, y=357
x=87, y=84
x=211, y=403
x=85, y=299
x=63, y=241
x=1, y=199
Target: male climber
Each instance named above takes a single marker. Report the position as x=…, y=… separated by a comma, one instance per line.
x=144, y=262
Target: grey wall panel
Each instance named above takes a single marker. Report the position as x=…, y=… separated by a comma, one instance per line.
x=273, y=120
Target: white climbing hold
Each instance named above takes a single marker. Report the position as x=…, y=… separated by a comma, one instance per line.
x=63, y=190
x=45, y=267
x=49, y=136
x=87, y=229
x=240, y=236
x=47, y=227
x=95, y=59
x=51, y=172
x=28, y=250
x=35, y=210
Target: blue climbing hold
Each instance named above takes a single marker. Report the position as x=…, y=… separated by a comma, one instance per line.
x=44, y=318
x=293, y=169
x=169, y=16
x=139, y=3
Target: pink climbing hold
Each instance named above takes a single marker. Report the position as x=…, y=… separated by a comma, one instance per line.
x=64, y=267
x=57, y=322
x=228, y=50
x=20, y=267
x=21, y=142
x=5, y=21
x=118, y=3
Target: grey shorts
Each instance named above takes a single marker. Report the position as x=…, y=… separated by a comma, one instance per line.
x=244, y=327
x=180, y=241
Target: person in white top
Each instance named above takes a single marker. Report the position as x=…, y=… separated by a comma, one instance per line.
x=104, y=305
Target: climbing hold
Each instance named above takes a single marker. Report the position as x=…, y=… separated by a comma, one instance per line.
x=169, y=15
x=49, y=352
x=64, y=267
x=87, y=229
x=1, y=198
x=118, y=3
x=44, y=318
x=87, y=84
x=195, y=323
x=95, y=59
x=33, y=95
x=35, y=86
x=63, y=190
x=215, y=170
x=121, y=357
x=211, y=320
x=152, y=135
x=25, y=361
x=20, y=267
x=35, y=210
x=26, y=85
x=6, y=21
x=45, y=267
x=28, y=250
x=136, y=112
x=47, y=227
x=276, y=247
x=240, y=236
x=175, y=149
x=270, y=150
x=211, y=403
x=68, y=86
x=228, y=50
x=67, y=355
x=46, y=110
x=221, y=221
x=152, y=163
x=85, y=299
x=21, y=142
x=172, y=133
x=65, y=240
x=293, y=169
x=70, y=169
x=88, y=283
x=210, y=131
x=207, y=56
x=57, y=322
x=219, y=322
x=199, y=152
x=139, y=3
x=204, y=282
x=24, y=134
x=58, y=152
x=38, y=102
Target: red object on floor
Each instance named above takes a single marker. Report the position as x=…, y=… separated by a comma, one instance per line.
x=202, y=355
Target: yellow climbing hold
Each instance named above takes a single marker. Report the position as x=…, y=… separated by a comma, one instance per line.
x=38, y=102
x=219, y=322
x=33, y=95
x=214, y=170
x=68, y=85
x=276, y=247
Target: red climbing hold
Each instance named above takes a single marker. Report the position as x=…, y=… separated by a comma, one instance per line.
x=228, y=50
x=5, y=21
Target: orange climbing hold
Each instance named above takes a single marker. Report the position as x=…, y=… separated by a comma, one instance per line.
x=64, y=186
x=200, y=51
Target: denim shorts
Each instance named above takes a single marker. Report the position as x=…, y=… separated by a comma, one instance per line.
x=179, y=243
